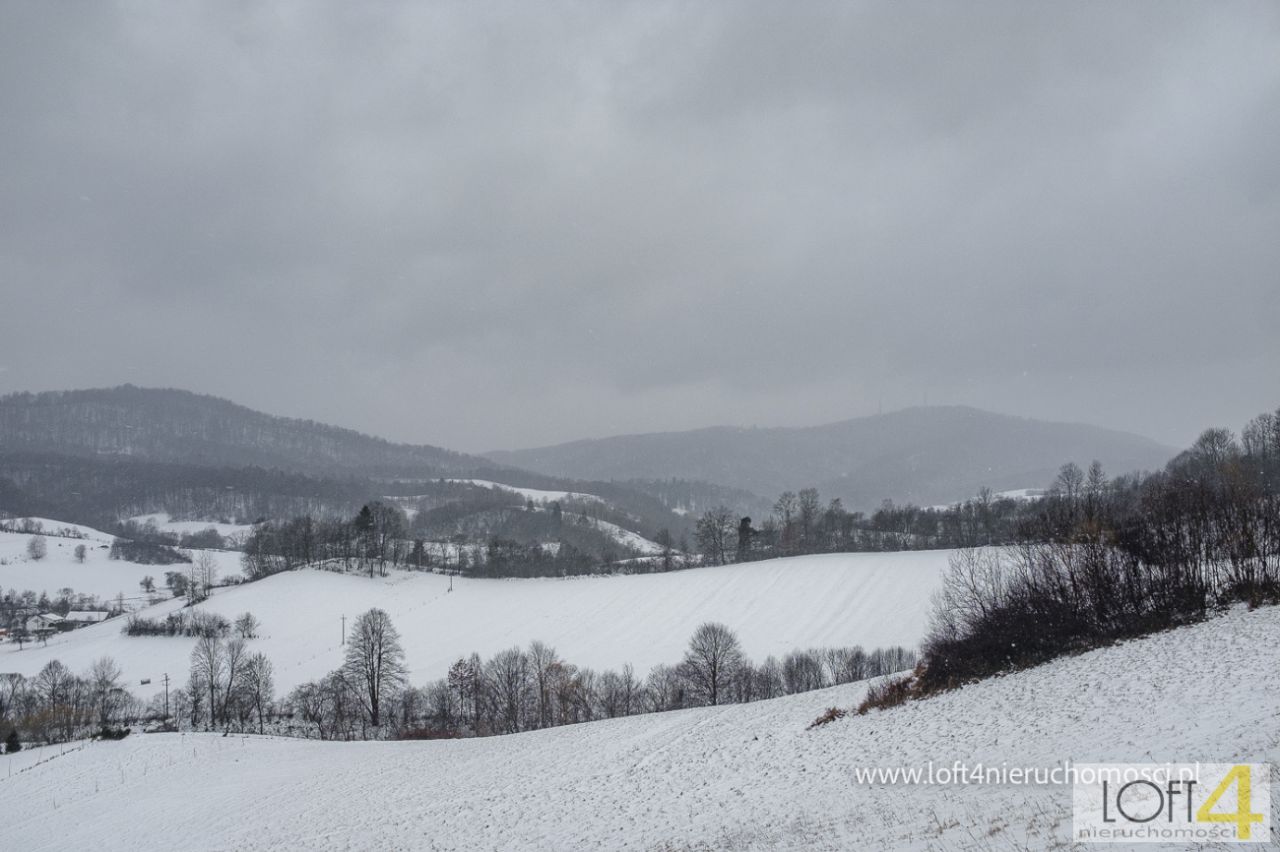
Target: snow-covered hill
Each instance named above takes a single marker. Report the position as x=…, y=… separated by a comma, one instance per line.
x=622, y=536
x=737, y=777
x=536, y=495
x=97, y=575
x=644, y=619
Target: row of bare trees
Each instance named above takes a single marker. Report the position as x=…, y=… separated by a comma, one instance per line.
x=227, y=684
x=801, y=523
x=230, y=687
x=524, y=689
x=57, y=705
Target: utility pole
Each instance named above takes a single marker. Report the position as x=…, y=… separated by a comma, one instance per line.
x=344, y=629
x=166, y=696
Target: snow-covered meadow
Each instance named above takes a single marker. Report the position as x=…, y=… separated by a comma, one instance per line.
x=164, y=522
x=736, y=777
x=98, y=575
x=605, y=622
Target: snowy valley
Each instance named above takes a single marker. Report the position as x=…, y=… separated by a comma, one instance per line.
x=737, y=778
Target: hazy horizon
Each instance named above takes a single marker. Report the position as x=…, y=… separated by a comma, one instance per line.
x=742, y=426
x=507, y=226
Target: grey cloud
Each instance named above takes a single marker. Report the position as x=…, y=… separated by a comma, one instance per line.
x=487, y=225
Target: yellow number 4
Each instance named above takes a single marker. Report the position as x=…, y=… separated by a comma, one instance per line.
x=1244, y=817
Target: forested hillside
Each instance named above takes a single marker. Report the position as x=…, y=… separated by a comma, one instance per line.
x=919, y=455
x=178, y=426
x=97, y=456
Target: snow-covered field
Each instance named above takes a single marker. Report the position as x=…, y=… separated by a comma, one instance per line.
x=605, y=622
x=50, y=527
x=537, y=495
x=97, y=575
x=165, y=523
x=737, y=777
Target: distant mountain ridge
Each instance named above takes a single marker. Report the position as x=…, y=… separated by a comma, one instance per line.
x=924, y=455
x=167, y=425
x=95, y=456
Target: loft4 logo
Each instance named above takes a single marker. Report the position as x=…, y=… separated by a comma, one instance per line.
x=1172, y=803
x=1243, y=816
x=1166, y=797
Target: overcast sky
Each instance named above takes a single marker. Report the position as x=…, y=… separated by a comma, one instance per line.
x=500, y=225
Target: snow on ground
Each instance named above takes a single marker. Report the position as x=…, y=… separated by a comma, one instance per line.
x=51, y=528
x=165, y=523
x=537, y=495
x=736, y=777
x=1021, y=495
x=604, y=622
x=622, y=536
x=408, y=505
x=97, y=575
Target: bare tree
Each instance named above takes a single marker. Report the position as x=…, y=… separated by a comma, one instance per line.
x=37, y=549
x=1070, y=481
x=711, y=660
x=768, y=678
x=808, y=508
x=246, y=626
x=802, y=671
x=80, y=552
x=715, y=530
x=541, y=659
x=257, y=686
x=201, y=575
x=206, y=571
x=104, y=680
x=508, y=680
x=237, y=660
x=208, y=663
x=375, y=662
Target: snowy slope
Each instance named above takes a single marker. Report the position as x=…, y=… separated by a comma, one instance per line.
x=621, y=535
x=52, y=528
x=737, y=777
x=643, y=619
x=165, y=523
x=537, y=495
x=98, y=575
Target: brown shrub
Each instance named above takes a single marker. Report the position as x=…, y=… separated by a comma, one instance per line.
x=888, y=693
x=828, y=717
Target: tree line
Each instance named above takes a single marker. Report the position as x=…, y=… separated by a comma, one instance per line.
x=231, y=687
x=381, y=537
x=802, y=523
x=58, y=705
x=525, y=689
x=1107, y=560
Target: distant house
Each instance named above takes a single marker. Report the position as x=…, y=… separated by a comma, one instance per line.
x=50, y=622
x=44, y=623
x=83, y=618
